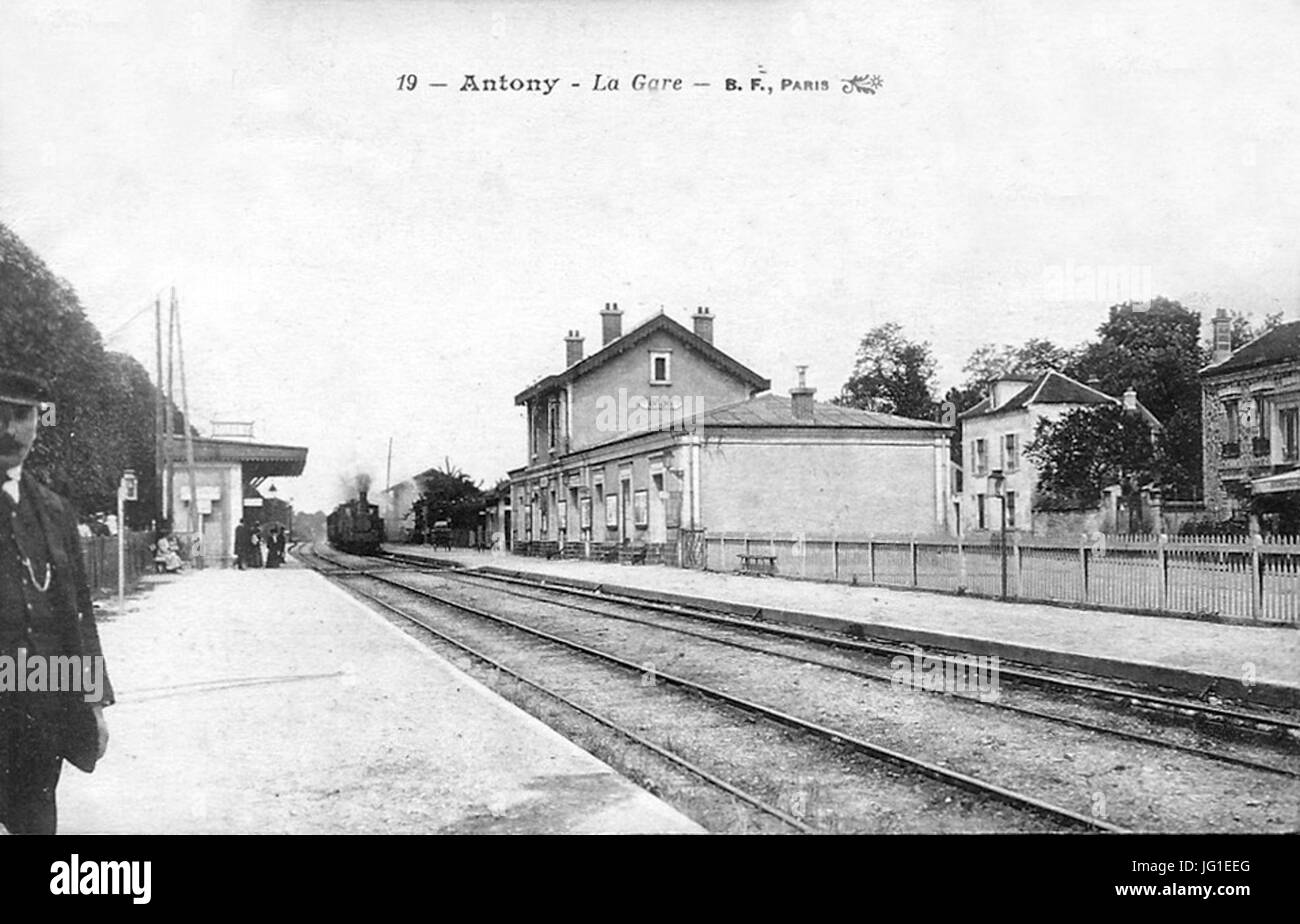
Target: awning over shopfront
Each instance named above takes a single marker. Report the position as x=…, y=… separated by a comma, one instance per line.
x=1285, y=483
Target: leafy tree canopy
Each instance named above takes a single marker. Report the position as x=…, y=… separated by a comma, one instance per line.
x=892, y=375
x=447, y=494
x=1089, y=449
x=104, y=402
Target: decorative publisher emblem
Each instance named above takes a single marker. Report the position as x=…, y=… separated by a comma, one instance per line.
x=869, y=83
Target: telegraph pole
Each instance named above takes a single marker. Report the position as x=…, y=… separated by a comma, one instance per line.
x=170, y=402
x=160, y=487
x=389, y=478
x=189, y=439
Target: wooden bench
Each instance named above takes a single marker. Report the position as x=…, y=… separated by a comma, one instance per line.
x=762, y=565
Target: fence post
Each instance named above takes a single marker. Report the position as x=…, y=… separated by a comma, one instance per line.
x=961, y=563
x=871, y=558
x=913, y=545
x=1083, y=566
x=1162, y=557
x=1015, y=548
x=835, y=560
x=1256, y=577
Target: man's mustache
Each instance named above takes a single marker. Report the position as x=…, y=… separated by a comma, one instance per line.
x=9, y=447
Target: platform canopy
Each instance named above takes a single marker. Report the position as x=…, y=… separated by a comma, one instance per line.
x=1284, y=483
x=260, y=460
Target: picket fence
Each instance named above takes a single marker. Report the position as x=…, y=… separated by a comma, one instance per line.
x=1253, y=578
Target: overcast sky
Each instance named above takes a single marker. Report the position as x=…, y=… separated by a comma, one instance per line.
x=356, y=262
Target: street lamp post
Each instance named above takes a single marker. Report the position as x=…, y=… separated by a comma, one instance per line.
x=127, y=490
x=998, y=481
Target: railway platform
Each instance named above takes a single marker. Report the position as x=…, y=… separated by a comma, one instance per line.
x=273, y=702
x=1248, y=663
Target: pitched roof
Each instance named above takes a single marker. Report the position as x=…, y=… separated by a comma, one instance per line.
x=621, y=344
x=1052, y=387
x=1281, y=344
x=776, y=411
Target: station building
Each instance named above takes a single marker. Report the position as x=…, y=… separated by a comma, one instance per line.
x=659, y=436
x=228, y=475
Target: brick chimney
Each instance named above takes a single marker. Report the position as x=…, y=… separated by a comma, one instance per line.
x=703, y=324
x=1222, y=337
x=572, y=348
x=611, y=323
x=801, y=398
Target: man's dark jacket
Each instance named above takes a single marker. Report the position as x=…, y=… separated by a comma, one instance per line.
x=69, y=628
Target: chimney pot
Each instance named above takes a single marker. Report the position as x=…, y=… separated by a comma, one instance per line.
x=572, y=348
x=801, y=397
x=1221, y=339
x=703, y=321
x=611, y=323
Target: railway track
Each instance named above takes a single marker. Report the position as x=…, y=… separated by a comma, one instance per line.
x=828, y=736
x=1283, y=730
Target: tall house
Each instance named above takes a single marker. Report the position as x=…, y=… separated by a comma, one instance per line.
x=659, y=436
x=994, y=435
x=1250, y=424
x=656, y=372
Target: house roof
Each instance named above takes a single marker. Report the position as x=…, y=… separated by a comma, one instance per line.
x=1052, y=387
x=1281, y=344
x=776, y=411
x=660, y=322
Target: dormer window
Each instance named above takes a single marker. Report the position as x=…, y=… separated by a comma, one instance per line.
x=661, y=367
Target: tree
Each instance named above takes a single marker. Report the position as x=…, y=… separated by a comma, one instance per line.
x=1155, y=348
x=892, y=375
x=446, y=494
x=1088, y=450
x=104, y=402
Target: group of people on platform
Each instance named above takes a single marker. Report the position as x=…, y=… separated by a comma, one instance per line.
x=249, y=543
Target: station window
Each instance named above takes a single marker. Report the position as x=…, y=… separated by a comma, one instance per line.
x=1011, y=509
x=980, y=457
x=660, y=367
x=1010, y=452
x=979, y=511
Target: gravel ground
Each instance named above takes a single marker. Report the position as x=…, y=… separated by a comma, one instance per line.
x=1274, y=653
x=1127, y=783
x=827, y=787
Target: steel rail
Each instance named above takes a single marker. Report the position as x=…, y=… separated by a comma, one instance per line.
x=970, y=783
x=670, y=756
x=879, y=647
x=876, y=676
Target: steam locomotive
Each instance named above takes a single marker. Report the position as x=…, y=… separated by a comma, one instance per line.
x=355, y=526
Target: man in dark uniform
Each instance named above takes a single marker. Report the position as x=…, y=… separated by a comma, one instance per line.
x=242, y=545
x=45, y=613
